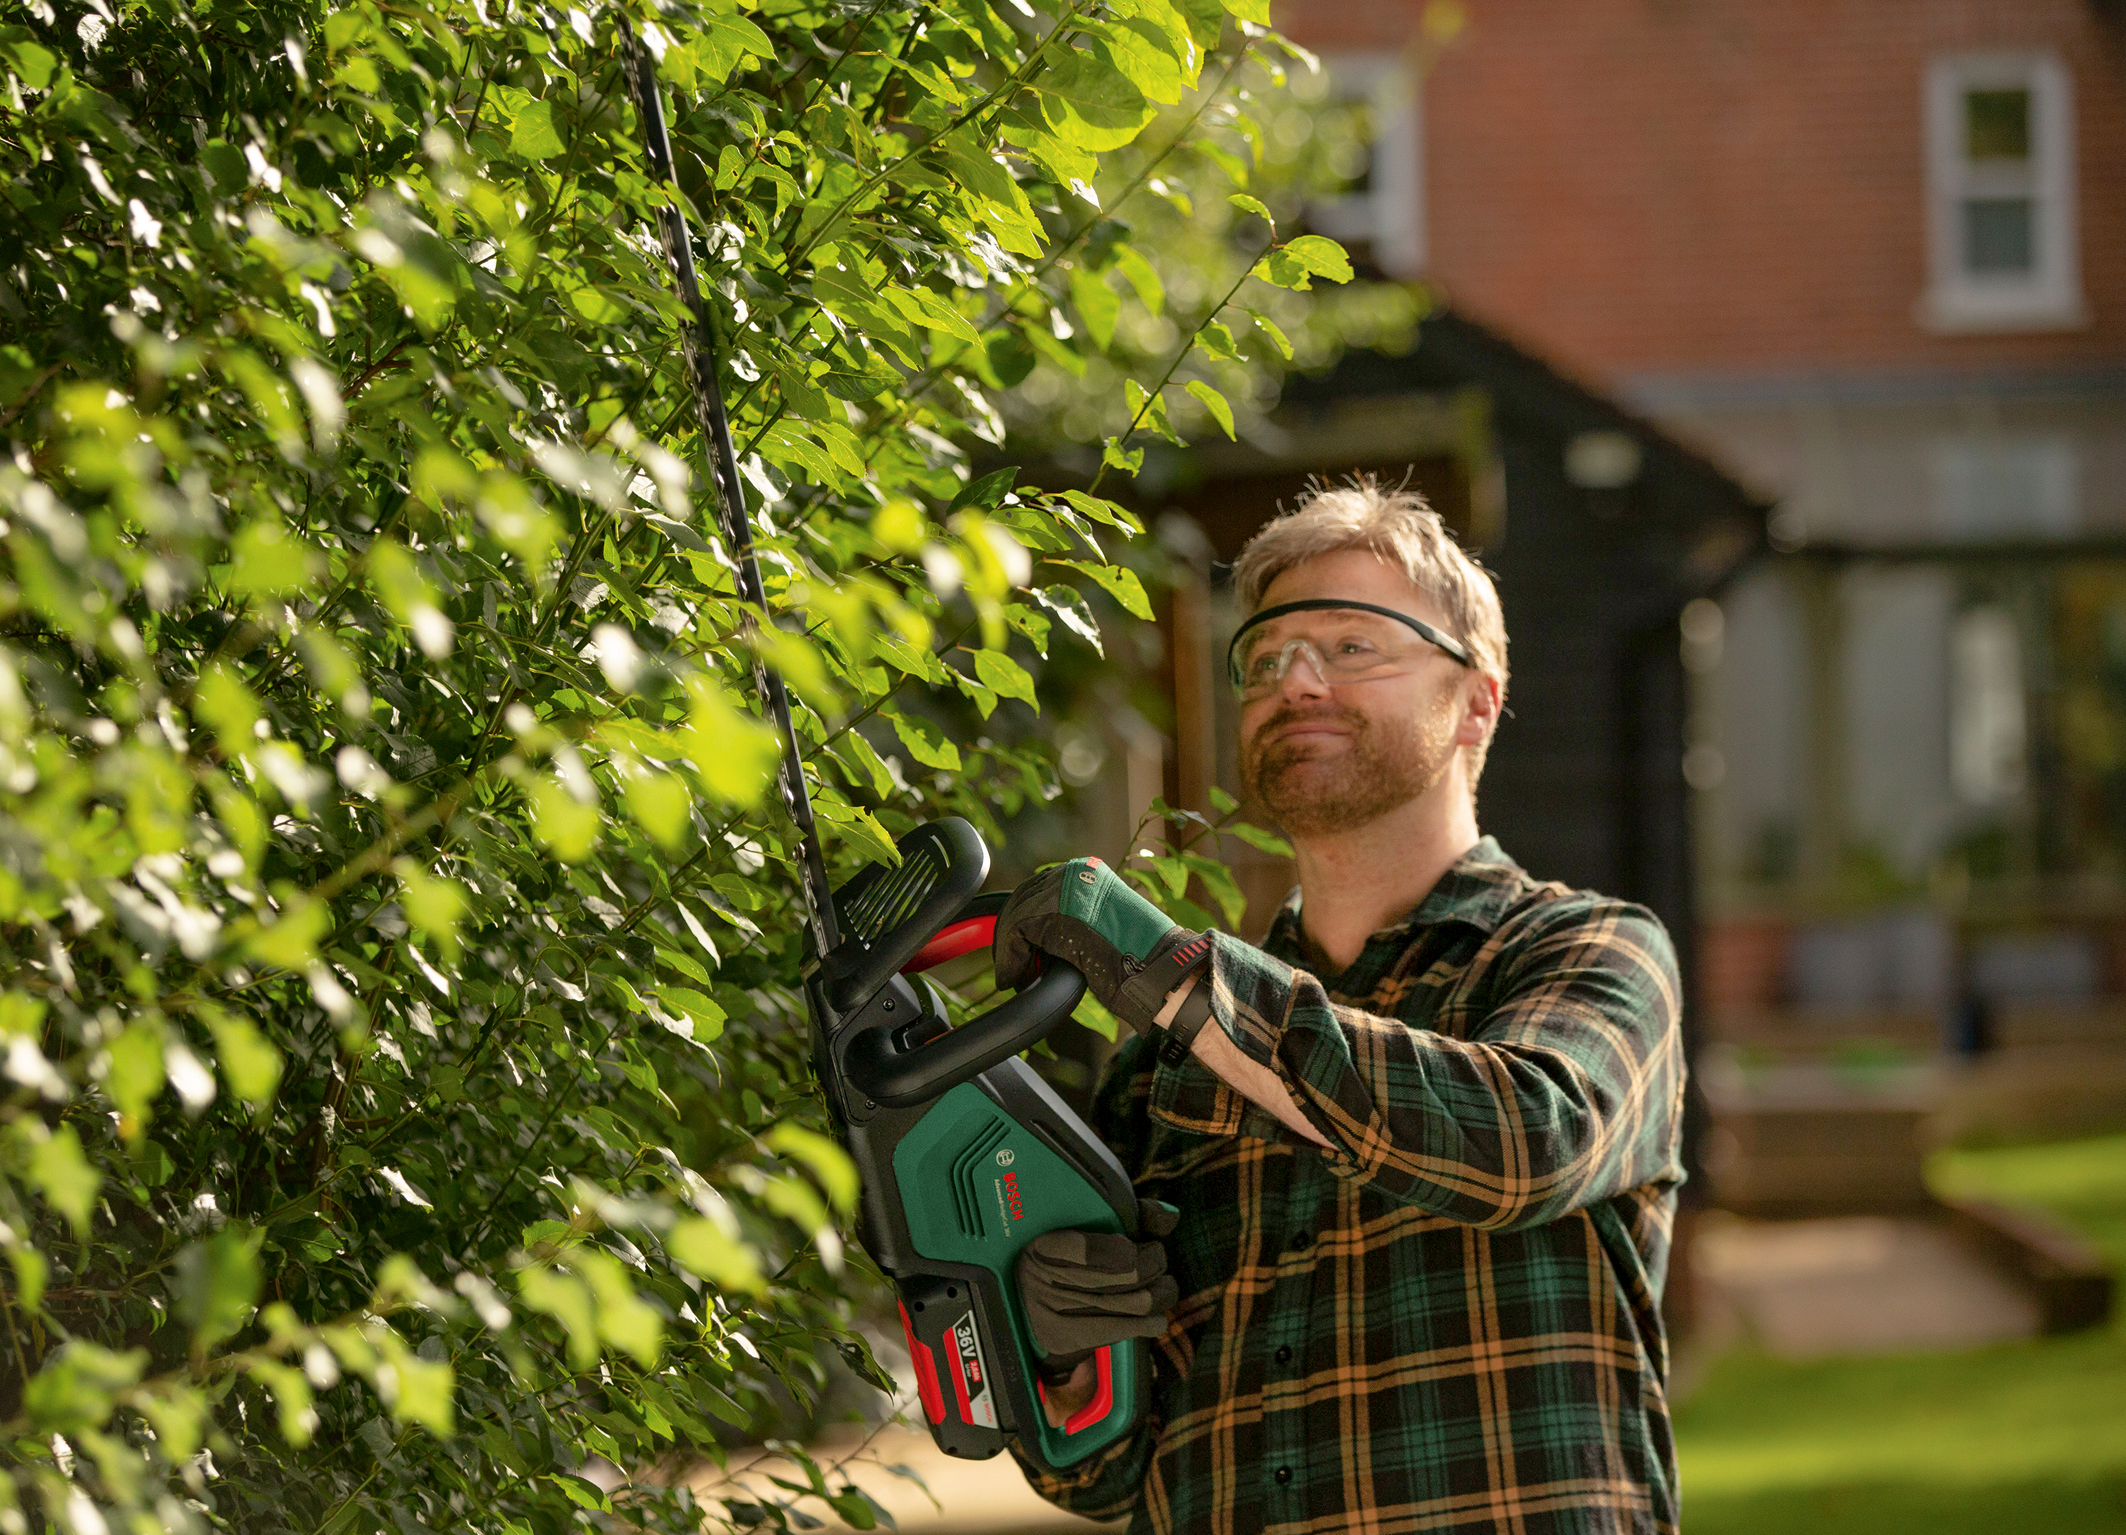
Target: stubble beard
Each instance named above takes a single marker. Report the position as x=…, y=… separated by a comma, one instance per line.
x=1385, y=765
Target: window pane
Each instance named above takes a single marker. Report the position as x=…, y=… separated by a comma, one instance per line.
x=1997, y=235
x=1997, y=124
x=1987, y=717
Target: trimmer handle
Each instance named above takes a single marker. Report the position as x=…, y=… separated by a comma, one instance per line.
x=899, y=1077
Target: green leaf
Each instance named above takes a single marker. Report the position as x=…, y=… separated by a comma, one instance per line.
x=583, y=1494
x=1214, y=402
x=434, y=906
x=78, y=1388
x=248, y=1060
x=700, y=1010
x=424, y=1394
x=926, y=743
x=1295, y=265
x=705, y=1250
x=659, y=802
x=290, y=942
x=567, y=1300
x=836, y=1173
x=856, y=1508
x=1254, y=205
x=1120, y=582
x=31, y=1272
x=1091, y=104
x=1274, y=332
x=217, y=1283
x=732, y=753
x=625, y=1320
x=1098, y=305
x=62, y=1172
x=984, y=494
x=1003, y=675
x=566, y=825
x=292, y=1397
x=1070, y=606
x=133, y=1072
x=533, y=134
x=855, y=373
x=1143, y=53
x=33, y=64
x=1143, y=277
x=724, y=42
x=222, y=701
x=1262, y=841
x=1217, y=342
x=266, y=562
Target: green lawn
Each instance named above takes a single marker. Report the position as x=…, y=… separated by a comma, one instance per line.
x=1998, y=1441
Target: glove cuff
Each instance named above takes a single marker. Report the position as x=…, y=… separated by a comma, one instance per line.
x=1173, y=960
x=1057, y=1369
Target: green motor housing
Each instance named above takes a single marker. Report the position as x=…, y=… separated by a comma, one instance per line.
x=965, y=1154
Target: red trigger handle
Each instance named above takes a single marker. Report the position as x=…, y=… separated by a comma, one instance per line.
x=975, y=929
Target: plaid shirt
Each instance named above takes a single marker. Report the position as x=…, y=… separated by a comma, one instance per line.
x=1451, y=1320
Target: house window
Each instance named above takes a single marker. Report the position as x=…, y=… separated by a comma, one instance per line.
x=2000, y=183
x=1378, y=212
x=1987, y=719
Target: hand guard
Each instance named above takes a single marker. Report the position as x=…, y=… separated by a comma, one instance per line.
x=1129, y=951
x=1084, y=1290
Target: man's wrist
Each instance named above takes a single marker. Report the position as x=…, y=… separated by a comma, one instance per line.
x=1061, y=1400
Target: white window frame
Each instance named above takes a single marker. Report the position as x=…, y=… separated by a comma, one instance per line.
x=2049, y=296
x=1392, y=213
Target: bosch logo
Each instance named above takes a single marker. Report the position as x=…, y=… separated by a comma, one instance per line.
x=1011, y=1196
x=1006, y=1157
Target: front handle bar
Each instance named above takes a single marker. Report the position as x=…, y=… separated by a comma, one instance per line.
x=899, y=1078
x=902, y=1078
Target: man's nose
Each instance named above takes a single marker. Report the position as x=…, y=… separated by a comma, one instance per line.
x=1303, y=674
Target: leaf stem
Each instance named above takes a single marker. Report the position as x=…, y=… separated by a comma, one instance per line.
x=1180, y=357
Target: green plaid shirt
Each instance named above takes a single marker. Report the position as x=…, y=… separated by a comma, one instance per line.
x=1450, y=1321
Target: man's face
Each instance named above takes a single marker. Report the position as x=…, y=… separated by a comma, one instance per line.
x=1325, y=758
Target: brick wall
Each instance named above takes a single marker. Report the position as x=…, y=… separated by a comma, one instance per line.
x=1638, y=187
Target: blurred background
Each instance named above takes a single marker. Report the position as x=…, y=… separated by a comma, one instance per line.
x=1774, y=359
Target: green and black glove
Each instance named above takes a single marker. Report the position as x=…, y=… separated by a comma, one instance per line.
x=1130, y=952
x=1086, y=1289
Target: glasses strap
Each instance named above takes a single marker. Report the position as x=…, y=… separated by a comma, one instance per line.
x=1448, y=643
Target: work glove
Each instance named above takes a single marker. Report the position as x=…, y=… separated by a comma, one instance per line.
x=1129, y=951
x=1086, y=1289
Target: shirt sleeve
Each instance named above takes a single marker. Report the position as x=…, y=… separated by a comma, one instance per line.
x=1566, y=1093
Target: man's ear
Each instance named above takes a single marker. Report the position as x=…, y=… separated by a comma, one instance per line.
x=1481, y=700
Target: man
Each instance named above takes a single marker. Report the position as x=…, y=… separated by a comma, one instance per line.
x=1423, y=1141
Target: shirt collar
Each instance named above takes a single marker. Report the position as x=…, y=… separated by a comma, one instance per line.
x=1478, y=888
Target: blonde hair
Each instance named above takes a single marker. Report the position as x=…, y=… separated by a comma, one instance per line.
x=1402, y=529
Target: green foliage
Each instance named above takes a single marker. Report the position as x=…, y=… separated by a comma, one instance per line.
x=406, y=1100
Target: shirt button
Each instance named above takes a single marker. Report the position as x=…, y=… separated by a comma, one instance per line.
x=1284, y=1355
x=1298, y=1241
x=1284, y=1476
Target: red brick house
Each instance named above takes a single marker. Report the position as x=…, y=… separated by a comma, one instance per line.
x=1869, y=256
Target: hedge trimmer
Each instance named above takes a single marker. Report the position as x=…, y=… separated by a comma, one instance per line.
x=965, y=1154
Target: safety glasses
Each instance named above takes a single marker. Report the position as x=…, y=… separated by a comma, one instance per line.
x=1361, y=642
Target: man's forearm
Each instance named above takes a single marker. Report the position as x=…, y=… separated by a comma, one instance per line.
x=1256, y=1083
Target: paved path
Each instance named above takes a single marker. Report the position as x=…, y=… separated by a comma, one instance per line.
x=1863, y=1284
x=972, y=1497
